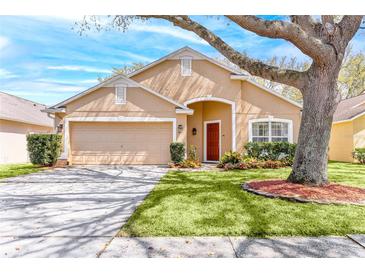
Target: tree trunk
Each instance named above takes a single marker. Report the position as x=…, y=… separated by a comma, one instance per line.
x=319, y=104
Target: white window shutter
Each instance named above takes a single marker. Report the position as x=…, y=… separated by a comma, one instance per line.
x=186, y=65
x=120, y=94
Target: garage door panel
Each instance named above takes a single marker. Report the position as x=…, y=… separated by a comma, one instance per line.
x=120, y=143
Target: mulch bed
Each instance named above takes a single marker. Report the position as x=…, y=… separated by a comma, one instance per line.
x=328, y=194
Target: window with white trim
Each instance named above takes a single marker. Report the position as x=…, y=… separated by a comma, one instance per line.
x=120, y=95
x=270, y=130
x=186, y=65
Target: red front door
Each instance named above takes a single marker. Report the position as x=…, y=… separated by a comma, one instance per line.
x=212, y=142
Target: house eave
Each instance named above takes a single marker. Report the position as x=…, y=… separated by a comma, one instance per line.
x=184, y=111
x=54, y=110
x=350, y=119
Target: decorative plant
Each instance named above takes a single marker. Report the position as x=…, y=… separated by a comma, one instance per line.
x=177, y=152
x=359, y=155
x=231, y=157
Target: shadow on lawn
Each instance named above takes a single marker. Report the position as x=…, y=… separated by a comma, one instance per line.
x=203, y=190
x=209, y=204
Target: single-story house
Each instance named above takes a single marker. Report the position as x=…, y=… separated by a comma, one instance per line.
x=185, y=97
x=19, y=117
x=348, y=130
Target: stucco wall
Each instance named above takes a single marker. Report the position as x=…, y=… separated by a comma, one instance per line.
x=101, y=103
x=257, y=103
x=359, y=132
x=208, y=111
x=210, y=80
x=341, y=142
x=140, y=103
x=13, y=143
x=206, y=79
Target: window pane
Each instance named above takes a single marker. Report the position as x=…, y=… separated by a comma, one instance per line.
x=280, y=139
x=260, y=139
x=279, y=129
x=260, y=129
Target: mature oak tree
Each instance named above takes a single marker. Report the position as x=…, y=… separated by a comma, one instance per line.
x=324, y=41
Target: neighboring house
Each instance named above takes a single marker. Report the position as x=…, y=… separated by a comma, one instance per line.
x=348, y=130
x=19, y=117
x=185, y=97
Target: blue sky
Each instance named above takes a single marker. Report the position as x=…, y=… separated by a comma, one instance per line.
x=43, y=59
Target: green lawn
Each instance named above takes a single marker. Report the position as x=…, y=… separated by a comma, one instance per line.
x=212, y=203
x=12, y=170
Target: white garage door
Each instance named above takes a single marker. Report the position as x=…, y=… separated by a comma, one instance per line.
x=120, y=143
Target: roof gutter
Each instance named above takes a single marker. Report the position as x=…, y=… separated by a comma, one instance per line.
x=54, y=110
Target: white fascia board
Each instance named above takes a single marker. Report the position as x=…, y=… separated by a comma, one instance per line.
x=54, y=110
x=185, y=111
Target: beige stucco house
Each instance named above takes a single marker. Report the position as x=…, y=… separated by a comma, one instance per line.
x=19, y=117
x=348, y=130
x=185, y=97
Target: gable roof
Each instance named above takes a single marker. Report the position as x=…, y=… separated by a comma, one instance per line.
x=350, y=109
x=236, y=74
x=111, y=81
x=195, y=53
x=18, y=109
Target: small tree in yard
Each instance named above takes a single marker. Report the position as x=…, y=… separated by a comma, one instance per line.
x=324, y=41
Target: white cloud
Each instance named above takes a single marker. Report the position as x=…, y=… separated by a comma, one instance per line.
x=66, y=82
x=4, y=42
x=5, y=74
x=37, y=86
x=172, y=31
x=136, y=56
x=79, y=68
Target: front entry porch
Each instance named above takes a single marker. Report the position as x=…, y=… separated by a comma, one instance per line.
x=210, y=128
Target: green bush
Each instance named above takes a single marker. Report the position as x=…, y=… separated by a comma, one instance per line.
x=231, y=157
x=177, y=152
x=359, y=155
x=44, y=149
x=274, y=151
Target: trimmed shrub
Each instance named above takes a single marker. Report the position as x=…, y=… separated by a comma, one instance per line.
x=274, y=151
x=359, y=155
x=231, y=157
x=44, y=149
x=254, y=164
x=177, y=152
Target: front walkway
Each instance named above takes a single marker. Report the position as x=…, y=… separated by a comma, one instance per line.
x=71, y=212
x=237, y=247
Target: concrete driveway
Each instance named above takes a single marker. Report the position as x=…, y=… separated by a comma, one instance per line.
x=70, y=212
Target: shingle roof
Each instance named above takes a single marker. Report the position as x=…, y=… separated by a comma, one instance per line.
x=350, y=108
x=18, y=109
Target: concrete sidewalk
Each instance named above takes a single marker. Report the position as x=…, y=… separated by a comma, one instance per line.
x=236, y=247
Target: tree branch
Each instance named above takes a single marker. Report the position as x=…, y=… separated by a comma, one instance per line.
x=255, y=67
x=349, y=26
x=309, y=45
x=307, y=23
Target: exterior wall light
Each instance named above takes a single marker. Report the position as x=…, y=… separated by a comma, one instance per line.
x=180, y=128
x=194, y=131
